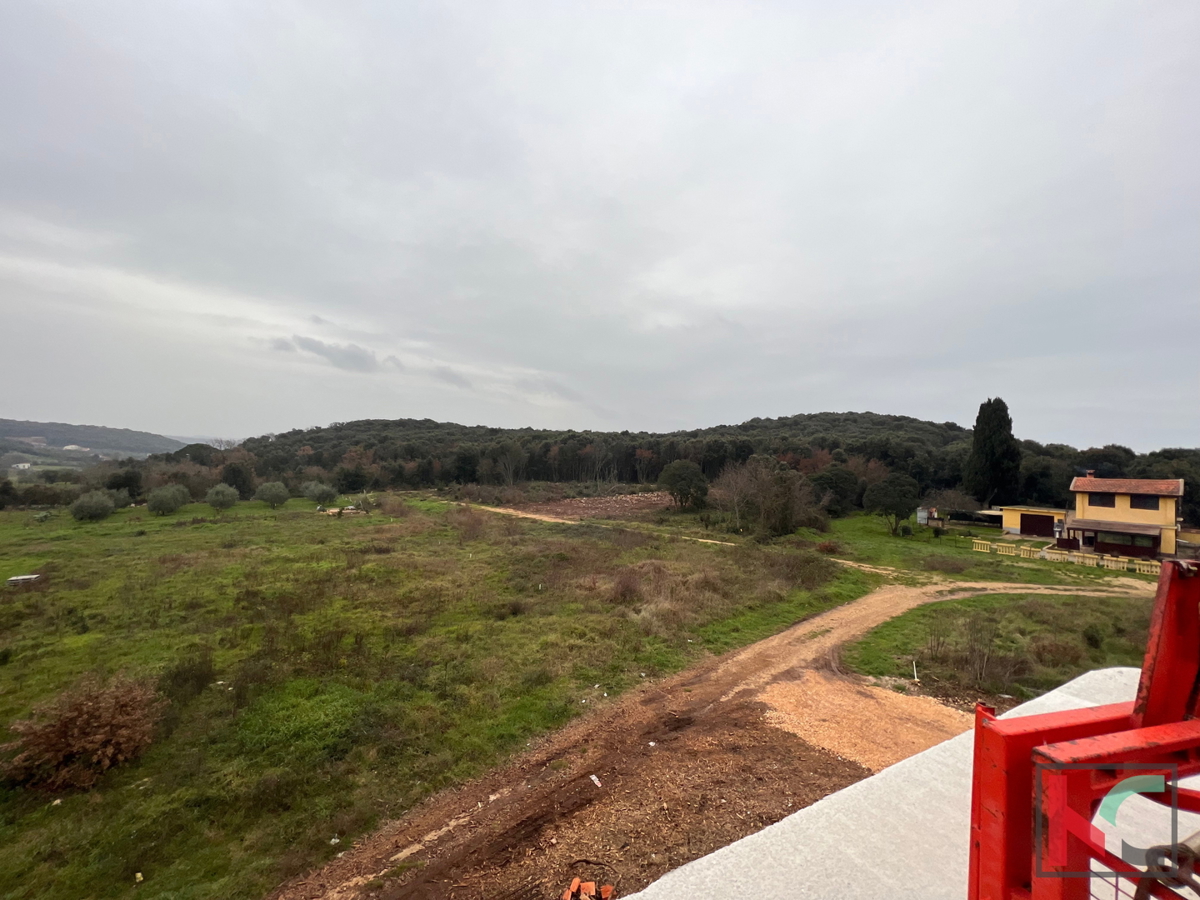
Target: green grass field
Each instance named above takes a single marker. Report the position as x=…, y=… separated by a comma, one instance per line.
x=327, y=673
x=866, y=539
x=1018, y=644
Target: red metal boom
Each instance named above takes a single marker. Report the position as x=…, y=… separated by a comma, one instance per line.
x=1038, y=780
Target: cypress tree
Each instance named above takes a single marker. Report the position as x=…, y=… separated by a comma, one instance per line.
x=993, y=470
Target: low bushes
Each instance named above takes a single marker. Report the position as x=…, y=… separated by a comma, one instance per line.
x=92, y=507
x=1004, y=643
x=946, y=564
x=318, y=492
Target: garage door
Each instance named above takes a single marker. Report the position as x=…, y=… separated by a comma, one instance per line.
x=1039, y=526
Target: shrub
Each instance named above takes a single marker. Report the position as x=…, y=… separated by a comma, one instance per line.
x=189, y=676
x=273, y=493
x=239, y=475
x=120, y=497
x=395, y=507
x=92, y=507
x=627, y=587
x=767, y=496
x=166, y=500
x=221, y=497
x=946, y=564
x=1051, y=650
x=48, y=494
x=685, y=482
x=468, y=522
x=829, y=547
x=129, y=480
x=1093, y=635
x=319, y=492
x=75, y=738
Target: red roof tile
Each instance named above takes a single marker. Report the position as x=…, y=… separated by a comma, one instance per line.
x=1163, y=487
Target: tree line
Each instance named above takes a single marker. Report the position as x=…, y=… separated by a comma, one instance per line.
x=839, y=456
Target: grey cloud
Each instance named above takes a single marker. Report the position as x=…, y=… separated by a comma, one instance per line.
x=451, y=377
x=752, y=210
x=350, y=357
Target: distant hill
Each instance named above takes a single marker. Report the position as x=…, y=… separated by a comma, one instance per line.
x=900, y=441
x=16, y=434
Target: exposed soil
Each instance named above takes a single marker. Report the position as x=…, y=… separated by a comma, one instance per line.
x=684, y=766
x=619, y=506
x=814, y=705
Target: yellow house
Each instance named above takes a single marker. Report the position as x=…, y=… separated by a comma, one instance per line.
x=1125, y=516
x=1036, y=521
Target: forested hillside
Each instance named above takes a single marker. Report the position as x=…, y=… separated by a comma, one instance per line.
x=402, y=450
x=380, y=453
x=839, y=454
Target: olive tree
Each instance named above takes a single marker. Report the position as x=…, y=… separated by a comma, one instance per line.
x=166, y=500
x=221, y=497
x=272, y=493
x=319, y=492
x=92, y=507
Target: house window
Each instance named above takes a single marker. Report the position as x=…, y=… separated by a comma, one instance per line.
x=1108, y=537
x=1143, y=501
x=1102, y=499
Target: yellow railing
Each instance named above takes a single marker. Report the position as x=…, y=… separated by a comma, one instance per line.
x=1116, y=563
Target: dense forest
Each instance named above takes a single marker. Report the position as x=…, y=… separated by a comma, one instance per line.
x=840, y=454
x=377, y=453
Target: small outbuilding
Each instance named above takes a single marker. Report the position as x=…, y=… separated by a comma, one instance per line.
x=1032, y=521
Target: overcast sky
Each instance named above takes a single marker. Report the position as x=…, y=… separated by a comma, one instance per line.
x=231, y=218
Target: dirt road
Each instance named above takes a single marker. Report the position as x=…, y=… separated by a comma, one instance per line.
x=680, y=768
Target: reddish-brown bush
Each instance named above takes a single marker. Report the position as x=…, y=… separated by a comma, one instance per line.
x=85, y=731
x=627, y=587
x=394, y=507
x=829, y=547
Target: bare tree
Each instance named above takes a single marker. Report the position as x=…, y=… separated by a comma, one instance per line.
x=764, y=494
x=510, y=462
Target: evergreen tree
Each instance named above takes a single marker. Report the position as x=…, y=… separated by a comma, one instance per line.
x=685, y=482
x=895, y=499
x=240, y=477
x=993, y=470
